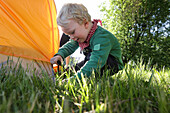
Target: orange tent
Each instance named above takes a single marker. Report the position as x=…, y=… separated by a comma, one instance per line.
x=28, y=30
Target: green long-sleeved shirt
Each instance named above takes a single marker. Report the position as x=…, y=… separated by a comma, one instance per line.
x=102, y=43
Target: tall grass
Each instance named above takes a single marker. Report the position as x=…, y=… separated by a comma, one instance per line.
x=21, y=92
x=136, y=89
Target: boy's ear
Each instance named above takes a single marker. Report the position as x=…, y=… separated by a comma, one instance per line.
x=86, y=24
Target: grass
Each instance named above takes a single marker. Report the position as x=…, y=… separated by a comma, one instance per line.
x=22, y=93
x=135, y=89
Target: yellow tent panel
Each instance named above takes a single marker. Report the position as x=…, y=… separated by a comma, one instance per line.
x=28, y=29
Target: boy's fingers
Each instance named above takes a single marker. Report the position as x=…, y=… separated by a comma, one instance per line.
x=56, y=60
x=52, y=60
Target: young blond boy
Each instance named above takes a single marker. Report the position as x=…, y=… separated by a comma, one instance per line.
x=100, y=47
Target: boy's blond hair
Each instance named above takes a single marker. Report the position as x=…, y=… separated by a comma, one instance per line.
x=77, y=12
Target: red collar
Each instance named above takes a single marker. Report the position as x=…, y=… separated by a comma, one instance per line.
x=92, y=31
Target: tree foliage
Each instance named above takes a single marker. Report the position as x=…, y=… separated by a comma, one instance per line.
x=142, y=27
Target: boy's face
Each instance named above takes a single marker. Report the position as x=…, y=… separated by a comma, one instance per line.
x=76, y=31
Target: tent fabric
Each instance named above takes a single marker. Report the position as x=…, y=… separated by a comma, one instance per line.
x=29, y=65
x=28, y=29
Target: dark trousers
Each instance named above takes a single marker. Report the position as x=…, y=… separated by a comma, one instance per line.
x=111, y=65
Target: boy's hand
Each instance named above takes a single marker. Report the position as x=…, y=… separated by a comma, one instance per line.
x=55, y=59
